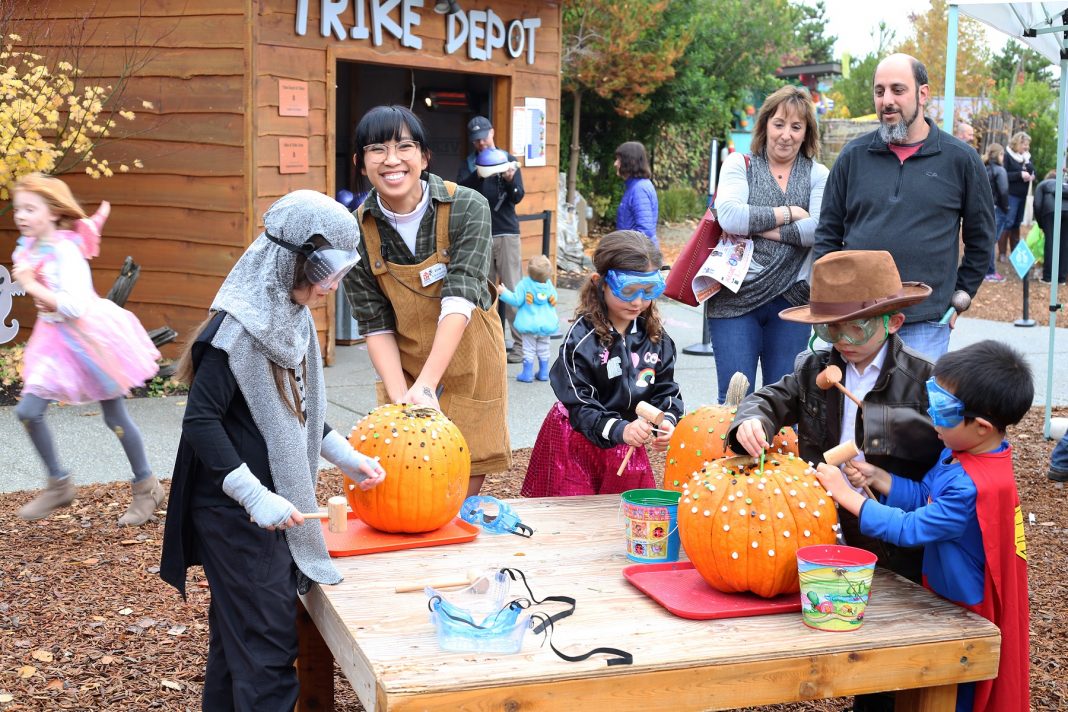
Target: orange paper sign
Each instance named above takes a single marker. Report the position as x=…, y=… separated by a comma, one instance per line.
x=292, y=98
x=292, y=155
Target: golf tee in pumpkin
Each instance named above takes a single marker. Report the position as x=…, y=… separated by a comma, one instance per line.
x=741, y=529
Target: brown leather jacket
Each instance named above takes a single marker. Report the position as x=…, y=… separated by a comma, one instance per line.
x=894, y=431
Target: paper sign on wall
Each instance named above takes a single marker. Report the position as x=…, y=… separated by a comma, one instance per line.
x=292, y=155
x=536, y=133
x=292, y=97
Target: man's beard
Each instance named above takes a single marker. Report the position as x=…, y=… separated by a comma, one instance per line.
x=899, y=131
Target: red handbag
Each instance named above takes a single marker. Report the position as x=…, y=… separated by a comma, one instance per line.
x=679, y=283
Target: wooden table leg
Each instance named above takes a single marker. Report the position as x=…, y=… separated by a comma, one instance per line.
x=315, y=666
x=927, y=699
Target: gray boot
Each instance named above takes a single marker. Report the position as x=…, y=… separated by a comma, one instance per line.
x=58, y=493
x=147, y=495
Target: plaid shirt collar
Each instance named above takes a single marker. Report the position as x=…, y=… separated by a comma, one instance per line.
x=438, y=194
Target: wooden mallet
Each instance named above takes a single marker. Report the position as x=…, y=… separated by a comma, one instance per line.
x=471, y=576
x=647, y=412
x=336, y=514
x=844, y=453
x=832, y=376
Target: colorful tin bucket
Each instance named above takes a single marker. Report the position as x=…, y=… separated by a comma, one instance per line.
x=652, y=528
x=835, y=583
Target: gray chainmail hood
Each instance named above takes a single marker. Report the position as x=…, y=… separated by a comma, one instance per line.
x=264, y=325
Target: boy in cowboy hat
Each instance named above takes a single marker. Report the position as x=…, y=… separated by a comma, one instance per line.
x=855, y=304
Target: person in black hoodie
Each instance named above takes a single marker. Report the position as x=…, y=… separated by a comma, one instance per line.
x=999, y=187
x=501, y=182
x=1045, y=205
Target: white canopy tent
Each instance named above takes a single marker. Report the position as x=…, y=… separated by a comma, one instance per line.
x=1043, y=26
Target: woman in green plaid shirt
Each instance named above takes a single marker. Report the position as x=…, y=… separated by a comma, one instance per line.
x=421, y=292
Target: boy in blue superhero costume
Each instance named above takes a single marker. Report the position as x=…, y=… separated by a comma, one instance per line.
x=966, y=510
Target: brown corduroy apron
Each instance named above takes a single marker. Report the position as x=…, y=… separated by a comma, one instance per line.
x=475, y=392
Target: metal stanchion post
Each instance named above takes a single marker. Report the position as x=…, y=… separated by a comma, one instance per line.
x=1025, y=320
x=705, y=347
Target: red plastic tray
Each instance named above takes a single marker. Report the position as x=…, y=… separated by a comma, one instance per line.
x=359, y=538
x=679, y=588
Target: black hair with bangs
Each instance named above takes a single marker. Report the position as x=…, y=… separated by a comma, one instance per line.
x=388, y=123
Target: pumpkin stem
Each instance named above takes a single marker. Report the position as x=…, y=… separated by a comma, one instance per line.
x=736, y=390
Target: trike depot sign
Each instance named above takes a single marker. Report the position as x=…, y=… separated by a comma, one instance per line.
x=479, y=31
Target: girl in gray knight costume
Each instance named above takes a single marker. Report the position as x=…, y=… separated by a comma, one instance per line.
x=247, y=462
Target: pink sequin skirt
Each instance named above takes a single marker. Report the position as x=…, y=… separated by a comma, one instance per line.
x=564, y=463
x=99, y=356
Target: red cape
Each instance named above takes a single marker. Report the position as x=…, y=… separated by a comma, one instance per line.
x=1005, y=601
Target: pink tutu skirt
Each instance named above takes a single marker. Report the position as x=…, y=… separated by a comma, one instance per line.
x=564, y=463
x=99, y=356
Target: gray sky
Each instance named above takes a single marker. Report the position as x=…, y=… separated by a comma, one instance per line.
x=854, y=22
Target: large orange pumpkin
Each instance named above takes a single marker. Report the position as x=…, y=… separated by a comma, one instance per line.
x=701, y=437
x=427, y=464
x=742, y=528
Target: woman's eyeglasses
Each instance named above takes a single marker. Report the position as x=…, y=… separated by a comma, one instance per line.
x=378, y=152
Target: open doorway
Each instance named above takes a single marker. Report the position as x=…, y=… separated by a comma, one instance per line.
x=444, y=101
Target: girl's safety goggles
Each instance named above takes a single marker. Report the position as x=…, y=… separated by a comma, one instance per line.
x=945, y=409
x=856, y=332
x=628, y=286
x=324, y=266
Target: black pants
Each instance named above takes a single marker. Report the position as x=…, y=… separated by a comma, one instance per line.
x=252, y=618
x=1046, y=223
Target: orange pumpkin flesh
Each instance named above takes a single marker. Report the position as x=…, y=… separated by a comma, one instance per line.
x=741, y=528
x=427, y=464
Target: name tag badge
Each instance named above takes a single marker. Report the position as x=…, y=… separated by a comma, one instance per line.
x=433, y=273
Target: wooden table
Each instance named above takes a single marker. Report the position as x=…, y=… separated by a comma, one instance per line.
x=911, y=641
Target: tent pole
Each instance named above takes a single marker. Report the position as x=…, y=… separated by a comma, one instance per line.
x=949, y=101
x=1062, y=124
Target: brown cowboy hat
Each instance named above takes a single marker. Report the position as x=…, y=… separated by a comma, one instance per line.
x=855, y=284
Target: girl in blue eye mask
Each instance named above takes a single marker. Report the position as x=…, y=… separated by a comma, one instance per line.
x=614, y=355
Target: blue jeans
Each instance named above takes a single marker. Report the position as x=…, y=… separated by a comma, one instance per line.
x=739, y=342
x=1058, y=461
x=927, y=337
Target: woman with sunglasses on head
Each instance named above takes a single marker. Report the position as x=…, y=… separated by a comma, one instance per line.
x=615, y=355
x=248, y=458
x=421, y=293
x=773, y=197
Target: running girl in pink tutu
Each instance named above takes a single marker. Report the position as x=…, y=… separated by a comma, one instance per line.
x=83, y=348
x=614, y=355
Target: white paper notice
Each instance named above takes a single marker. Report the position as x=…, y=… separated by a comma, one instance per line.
x=520, y=130
x=536, y=142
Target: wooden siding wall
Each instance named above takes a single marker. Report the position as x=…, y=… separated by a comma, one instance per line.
x=183, y=216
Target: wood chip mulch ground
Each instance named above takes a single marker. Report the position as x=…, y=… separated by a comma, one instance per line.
x=86, y=623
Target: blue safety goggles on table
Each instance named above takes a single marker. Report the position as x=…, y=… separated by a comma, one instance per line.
x=628, y=285
x=945, y=409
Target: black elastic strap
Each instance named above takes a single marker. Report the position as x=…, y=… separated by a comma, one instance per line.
x=622, y=657
x=546, y=622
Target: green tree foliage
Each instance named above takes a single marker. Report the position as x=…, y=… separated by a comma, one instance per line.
x=855, y=91
x=619, y=51
x=928, y=44
x=736, y=47
x=1017, y=62
x=1034, y=102
x=810, y=45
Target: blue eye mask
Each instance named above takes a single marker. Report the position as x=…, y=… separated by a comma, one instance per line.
x=945, y=409
x=478, y=510
x=628, y=286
